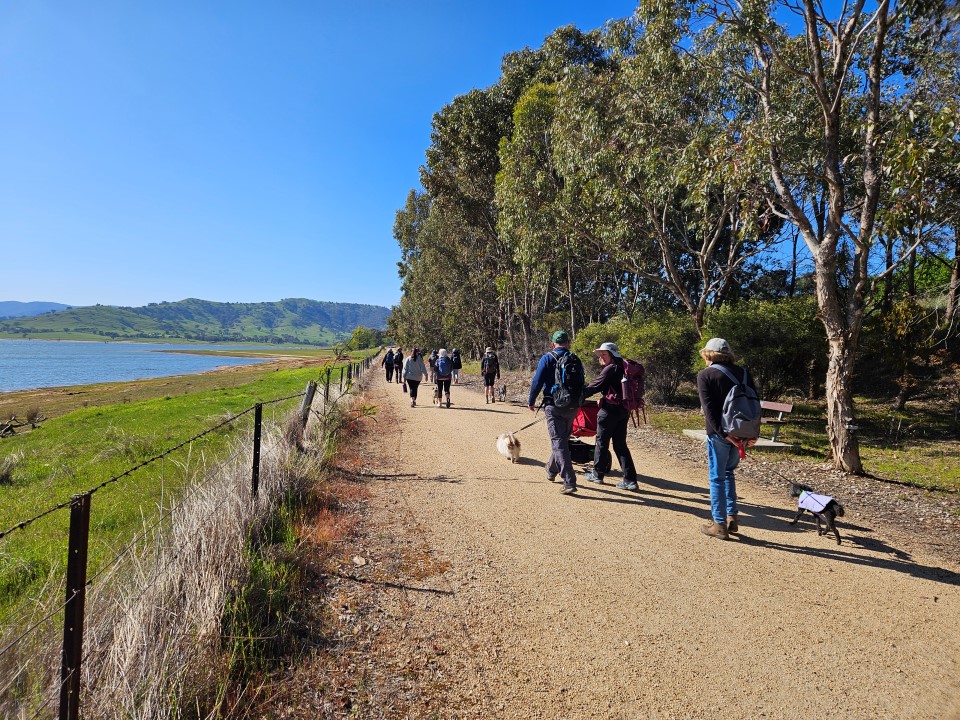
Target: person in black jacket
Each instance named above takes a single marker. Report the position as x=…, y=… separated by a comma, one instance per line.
x=398, y=365
x=612, y=419
x=722, y=455
x=387, y=363
x=457, y=365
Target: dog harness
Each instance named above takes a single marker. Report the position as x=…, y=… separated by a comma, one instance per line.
x=813, y=502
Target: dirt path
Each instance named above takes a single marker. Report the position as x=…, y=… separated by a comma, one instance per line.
x=611, y=604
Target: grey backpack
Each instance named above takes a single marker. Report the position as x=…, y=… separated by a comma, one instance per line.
x=741, y=408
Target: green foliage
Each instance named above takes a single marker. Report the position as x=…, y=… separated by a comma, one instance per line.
x=780, y=341
x=80, y=449
x=664, y=344
x=286, y=321
x=364, y=338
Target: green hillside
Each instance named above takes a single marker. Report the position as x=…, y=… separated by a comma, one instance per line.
x=294, y=320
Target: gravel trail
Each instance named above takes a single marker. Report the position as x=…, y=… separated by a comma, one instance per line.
x=612, y=604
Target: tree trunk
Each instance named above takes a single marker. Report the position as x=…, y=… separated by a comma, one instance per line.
x=954, y=281
x=841, y=416
x=841, y=356
x=573, y=322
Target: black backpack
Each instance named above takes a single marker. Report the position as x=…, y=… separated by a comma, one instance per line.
x=568, y=382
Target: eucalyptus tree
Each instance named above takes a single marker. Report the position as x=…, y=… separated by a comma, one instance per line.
x=655, y=150
x=830, y=189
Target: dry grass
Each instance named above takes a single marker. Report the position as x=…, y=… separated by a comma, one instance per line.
x=154, y=642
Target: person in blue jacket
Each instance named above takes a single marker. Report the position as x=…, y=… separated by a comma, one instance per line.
x=559, y=422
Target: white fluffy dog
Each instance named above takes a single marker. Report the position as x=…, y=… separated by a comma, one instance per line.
x=509, y=446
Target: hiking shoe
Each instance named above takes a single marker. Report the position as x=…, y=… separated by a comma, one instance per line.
x=552, y=478
x=715, y=530
x=732, y=525
x=448, y=401
x=413, y=403
x=624, y=485
x=592, y=476
x=568, y=490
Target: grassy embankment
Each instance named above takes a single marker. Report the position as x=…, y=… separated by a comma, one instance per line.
x=97, y=432
x=917, y=446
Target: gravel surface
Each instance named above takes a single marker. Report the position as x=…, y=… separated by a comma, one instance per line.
x=611, y=604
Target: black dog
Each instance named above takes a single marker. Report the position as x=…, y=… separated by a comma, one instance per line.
x=822, y=507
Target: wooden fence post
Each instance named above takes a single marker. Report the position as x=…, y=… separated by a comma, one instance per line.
x=307, y=402
x=257, y=423
x=326, y=385
x=73, y=610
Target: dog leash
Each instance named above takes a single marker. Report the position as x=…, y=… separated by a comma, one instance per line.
x=528, y=425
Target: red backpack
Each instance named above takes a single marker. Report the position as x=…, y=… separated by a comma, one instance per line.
x=632, y=386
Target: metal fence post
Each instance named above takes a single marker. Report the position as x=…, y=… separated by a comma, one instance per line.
x=307, y=402
x=349, y=372
x=257, y=422
x=326, y=385
x=73, y=611
x=341, y=378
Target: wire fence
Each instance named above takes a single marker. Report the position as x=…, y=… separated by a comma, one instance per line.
x=30, y=685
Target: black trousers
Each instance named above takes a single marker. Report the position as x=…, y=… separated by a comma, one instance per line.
x=612, y=424
x=389, y=372
x=398, y=371
x=413, y=385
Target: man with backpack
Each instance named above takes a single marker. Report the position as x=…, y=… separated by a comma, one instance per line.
x=398, y=365
x=443, y=369
x=612, y=419
x=387, y=364
x=490, y=370
x=560, y=375
x=457, y=365
x=731, y=411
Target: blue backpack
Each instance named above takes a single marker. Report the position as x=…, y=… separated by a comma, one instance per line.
x=444, y=367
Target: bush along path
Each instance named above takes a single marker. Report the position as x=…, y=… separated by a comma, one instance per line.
x=510, y=600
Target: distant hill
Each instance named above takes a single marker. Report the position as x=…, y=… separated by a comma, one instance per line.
x=294, y=320
x=13, y=309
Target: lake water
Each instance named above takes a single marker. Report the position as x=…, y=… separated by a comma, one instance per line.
x=44, y=363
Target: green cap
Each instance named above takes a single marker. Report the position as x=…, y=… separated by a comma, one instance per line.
x=561, y=336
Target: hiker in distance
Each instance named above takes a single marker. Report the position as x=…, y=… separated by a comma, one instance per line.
x=398, y=365
x=457, y=365
x=443, y=371
x=387, y=364
x=414, y=371
x=612, y=419
x=490, y=370
x=714, y=383
x=560, y=411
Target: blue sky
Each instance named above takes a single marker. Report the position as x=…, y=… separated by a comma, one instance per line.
x=233, y=151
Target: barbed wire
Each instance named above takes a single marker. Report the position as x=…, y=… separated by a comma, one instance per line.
x=33, y=627
x=22, y=525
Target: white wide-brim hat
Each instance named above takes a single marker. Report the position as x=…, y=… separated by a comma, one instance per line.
x=610, y=348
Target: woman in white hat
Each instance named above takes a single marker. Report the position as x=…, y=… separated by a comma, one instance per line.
x=612, y=420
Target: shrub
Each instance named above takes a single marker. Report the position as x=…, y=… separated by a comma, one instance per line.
x=664, y=343
x=781, y=341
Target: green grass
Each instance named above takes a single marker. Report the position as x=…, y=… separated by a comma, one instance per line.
x=84, y=447
x=918, y=446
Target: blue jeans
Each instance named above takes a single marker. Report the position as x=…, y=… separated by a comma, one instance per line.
x=722, y=458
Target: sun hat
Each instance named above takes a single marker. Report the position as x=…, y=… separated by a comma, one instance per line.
x=489, y=349
x=610, y=348
x=718, y=345
x=443, y=352
x=561, y=336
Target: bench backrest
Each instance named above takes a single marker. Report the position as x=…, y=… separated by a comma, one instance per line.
x=775, y=406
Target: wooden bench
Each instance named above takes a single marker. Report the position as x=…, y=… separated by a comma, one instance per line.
x=781, y=409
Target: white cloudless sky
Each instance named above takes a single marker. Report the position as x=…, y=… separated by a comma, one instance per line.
x=234, y=151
